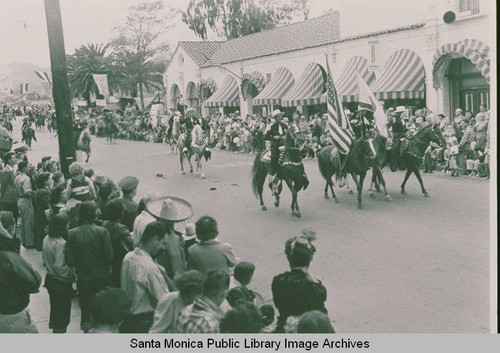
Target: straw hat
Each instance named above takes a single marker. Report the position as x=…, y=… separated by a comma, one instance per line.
x=400, y=109
x=99, y=178
x=170, y=208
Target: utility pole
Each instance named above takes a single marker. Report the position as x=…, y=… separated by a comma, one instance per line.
x=60, y=85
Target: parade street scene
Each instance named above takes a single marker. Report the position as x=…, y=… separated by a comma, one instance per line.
x=247, y=166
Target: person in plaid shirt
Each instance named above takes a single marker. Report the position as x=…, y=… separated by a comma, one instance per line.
x=204, y=315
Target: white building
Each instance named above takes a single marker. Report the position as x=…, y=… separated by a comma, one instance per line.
x=434, y=63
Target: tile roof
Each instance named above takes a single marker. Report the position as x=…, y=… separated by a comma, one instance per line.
x=301, y=35
x=200, y=51
x=378, y=33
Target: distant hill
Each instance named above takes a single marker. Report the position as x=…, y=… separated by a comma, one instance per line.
x=12, y=75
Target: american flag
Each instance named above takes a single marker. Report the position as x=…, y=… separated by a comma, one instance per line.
x=338, y=125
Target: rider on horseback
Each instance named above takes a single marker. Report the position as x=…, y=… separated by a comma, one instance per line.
x=187, y=123
x=276, y=134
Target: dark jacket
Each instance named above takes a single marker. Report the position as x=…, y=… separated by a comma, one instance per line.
x=89, y=251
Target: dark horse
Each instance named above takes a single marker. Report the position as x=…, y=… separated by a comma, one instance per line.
x=378, y=163
x=359, y=160
x=411, y=157
x=83, y=143
x=292, y=171
x=28, y=134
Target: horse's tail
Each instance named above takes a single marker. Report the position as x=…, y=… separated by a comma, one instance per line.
x=259, y=173
x=207, y=154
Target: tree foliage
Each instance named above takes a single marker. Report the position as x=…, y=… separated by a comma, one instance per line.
x=87, y=60
x=139, y=40
x=235, y=18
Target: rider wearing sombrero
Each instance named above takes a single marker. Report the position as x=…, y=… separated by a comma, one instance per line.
x=187, y=123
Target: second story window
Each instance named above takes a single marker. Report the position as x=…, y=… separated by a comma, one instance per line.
x=466, y=7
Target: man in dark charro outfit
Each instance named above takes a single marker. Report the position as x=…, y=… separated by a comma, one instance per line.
x=186, y=123
x=276, y=134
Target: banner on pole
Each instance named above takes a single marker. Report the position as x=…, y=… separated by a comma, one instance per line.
x=367, y=100
x=101, y=81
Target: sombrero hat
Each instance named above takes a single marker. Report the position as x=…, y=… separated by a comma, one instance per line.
x=170, y=208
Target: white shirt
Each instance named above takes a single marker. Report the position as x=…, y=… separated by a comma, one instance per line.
x=140, y=224
x=142, y=280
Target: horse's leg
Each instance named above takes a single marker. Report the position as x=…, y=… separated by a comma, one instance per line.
x=181, y=159
x=421, y=181
x=381, y=179
x=333, y=192
x=199, y=164
x=289, y=183
x=260, y=188
x=408, y=173
x=373, y=183
x=189, y=156
x=358, y=187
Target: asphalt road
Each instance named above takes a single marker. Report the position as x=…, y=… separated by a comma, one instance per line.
x=413, y=265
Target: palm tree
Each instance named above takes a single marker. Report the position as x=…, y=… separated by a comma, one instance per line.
x=89, y=59
x=135, y=72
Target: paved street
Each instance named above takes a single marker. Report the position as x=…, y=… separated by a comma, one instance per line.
x=414, y=265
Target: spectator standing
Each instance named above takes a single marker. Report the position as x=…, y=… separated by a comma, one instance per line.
x=121, y=240
x=129, y=189
x=8, y=193
x=109, y=308
x=143, y=280
x=296, y=291
x=144, y=217
x=25, y=204
x=8, y=240
x=17, y=281
x=41, y=205
x=89, y=251
x=210, y=253
x=204, y=315
x=60, y=276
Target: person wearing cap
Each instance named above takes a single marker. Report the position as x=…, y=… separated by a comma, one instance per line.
x=276, y=135
x=169, y=307
x=189, y=236
x=8, y=193
x=143, y=279
x=25, y=204
x=128, y=185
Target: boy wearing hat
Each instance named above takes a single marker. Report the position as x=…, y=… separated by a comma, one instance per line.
x=129, y=189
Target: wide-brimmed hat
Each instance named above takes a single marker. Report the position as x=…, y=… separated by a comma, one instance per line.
x=277, y=112
x=170, y=208
x=400, y=109
x=99, y=178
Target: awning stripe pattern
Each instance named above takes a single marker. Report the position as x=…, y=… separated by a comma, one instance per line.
x=279, y=85
x=256, y=78
x=227, y=95
x=403, y=76
x=346, y=87
x=308, y=89
x=476, y=53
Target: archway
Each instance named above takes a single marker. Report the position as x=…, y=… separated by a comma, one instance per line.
x=176, y=98
x=251, y=85
x=461, y=71
x=192, y=100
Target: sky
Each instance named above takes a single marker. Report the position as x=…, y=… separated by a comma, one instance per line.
x=93, y=21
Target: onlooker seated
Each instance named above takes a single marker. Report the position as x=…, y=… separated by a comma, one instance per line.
x=243, y=318
x=243, y=273
x=314, y=322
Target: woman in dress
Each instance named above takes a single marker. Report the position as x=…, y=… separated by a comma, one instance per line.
x=296, y=291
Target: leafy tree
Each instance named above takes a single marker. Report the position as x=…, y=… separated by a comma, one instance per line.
x=138, y=42
x=87, y=60
x=235, y=18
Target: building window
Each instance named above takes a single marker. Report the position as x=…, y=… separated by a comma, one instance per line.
x=468, y=7
x=181, y=59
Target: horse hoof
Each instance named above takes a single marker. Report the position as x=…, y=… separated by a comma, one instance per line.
x=360, y=206
x=264, y=208
x=426, y=194
x=350, y=192
x=403, y=192
x=372, y=194
x=276, y=204
x=336, y=200
x=298, y=215
x=326, y=197
x=293, y=214
x=183, y=173
x=388, y=197
x=203, y=176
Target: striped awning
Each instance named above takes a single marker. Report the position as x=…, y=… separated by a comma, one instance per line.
x=280, y=84
x=476, y=51
x=403, y=76
x=256, y=78
x=347, y=88
x=227, y=95
x=308, y=89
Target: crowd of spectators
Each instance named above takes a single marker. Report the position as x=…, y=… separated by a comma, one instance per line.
x=136, y=267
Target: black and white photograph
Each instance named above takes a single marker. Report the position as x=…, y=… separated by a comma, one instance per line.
x=248, y=166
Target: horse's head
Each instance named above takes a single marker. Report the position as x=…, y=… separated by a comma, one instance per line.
x=366, y=148
x=437, y=135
